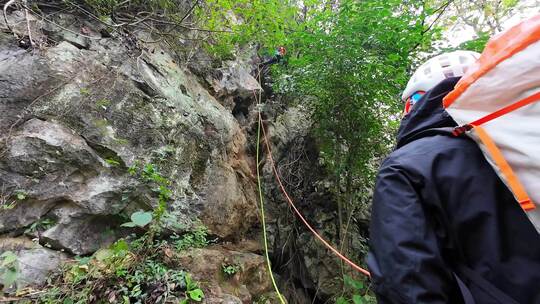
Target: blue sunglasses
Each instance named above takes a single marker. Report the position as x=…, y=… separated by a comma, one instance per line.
x=416, y=97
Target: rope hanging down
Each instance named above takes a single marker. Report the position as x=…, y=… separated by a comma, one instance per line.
x=289, y=200
x=263, y=220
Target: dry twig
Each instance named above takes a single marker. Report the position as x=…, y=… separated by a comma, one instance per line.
x=28, y=24
x=58, y=25
x=8, y=4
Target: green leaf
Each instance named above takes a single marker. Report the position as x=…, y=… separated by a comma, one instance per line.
x=190, y=285
x=196, y=294
x=9, y=276
x=353, y=283
x=141, y=218
x=128, y=224
x=370, y=299
x=509, y=3
x=112, y=162
x=84, y=91
x=8, y=258
x=357, y=299
x=67, y=301
x=103, y=254
x=83, y=260
x=120, y=246
x=9, y=206
x=104, y=102
x=341, y=300
x=20, y=194
x=132, y=170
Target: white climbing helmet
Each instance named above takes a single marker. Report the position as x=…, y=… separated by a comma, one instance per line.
x=438, y=68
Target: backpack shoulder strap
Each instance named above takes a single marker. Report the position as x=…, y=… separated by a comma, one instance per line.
x=470, y=277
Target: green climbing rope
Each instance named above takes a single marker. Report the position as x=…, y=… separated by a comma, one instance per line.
x=263, y=218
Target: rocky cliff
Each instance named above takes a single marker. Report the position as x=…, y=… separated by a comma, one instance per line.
x=83, y=104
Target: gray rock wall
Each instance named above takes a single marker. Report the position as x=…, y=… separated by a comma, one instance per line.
x=77, y=112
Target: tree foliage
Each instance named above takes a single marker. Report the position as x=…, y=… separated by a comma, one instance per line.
x=479, y=19
x=485, y=16
x=241, y=22
x=353, y=62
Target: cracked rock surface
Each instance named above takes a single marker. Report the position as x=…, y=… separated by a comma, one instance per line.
x=76, y=113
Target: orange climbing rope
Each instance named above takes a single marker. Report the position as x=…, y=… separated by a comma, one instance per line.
x=289, y=200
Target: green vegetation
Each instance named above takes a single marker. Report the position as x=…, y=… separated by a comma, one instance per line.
x=348, y=62
x=197, y=238
x=193, y=291
x=139, y=219
x=150, y=174
x=126, y=272
x=84, y=91
x=354, y=62
x=40, y=225
x=355, y=293
x=248, y=22
x=113, y=162
x=9, y=269
x=139, y=269
x=102, y=125
x=21, y=195
x=230, y=270
x=8, y=201
x=7, y=205
x=103, y=103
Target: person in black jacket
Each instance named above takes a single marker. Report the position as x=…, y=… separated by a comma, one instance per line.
x=444, y=227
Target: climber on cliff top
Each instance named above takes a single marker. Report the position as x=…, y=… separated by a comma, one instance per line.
x=278, y=56
x=444, y=227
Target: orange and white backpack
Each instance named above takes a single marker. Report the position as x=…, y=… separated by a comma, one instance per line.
x=497, y=103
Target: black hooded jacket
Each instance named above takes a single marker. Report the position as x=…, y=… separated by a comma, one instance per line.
x=444, y=227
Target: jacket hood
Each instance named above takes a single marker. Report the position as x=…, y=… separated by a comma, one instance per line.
x=428, y=113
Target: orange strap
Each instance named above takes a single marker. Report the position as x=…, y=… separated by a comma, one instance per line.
x=516, y=105
x=512, y=180
x=498, y=49
x=524, y=102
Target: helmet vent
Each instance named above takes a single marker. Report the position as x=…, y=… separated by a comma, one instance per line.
x=444, y=62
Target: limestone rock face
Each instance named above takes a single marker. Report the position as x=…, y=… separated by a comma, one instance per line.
x=35, y=263
x=235, y=80
x=249, y=282
x=78, y=112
